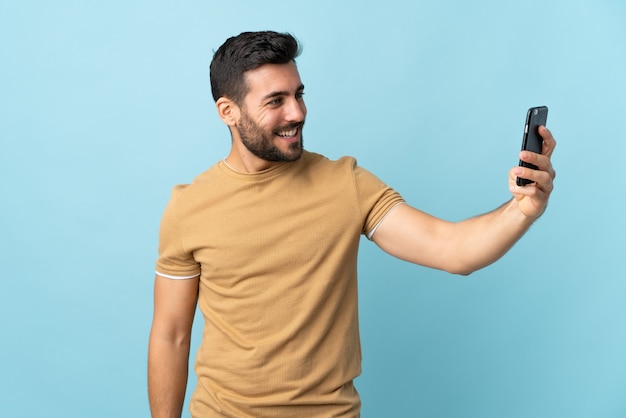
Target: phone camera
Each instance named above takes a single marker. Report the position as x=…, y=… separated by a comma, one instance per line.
x=535, y=112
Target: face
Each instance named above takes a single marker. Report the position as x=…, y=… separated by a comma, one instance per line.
x=273, y=113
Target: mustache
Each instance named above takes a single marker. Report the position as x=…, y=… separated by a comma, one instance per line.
x=293, y=125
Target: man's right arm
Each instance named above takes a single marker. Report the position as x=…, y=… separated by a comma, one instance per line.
x=168, y=352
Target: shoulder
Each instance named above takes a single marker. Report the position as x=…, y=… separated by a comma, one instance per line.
x=319, y=161
x=346, y=166
x=184, y=194
x=317, y=169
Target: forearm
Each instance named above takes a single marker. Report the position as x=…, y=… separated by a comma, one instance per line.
x=168, y=363
x=480, y=241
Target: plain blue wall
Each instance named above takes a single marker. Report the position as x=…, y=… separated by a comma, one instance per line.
x=104, y=106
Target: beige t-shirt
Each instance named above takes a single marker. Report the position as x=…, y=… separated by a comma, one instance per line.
x=276, y=252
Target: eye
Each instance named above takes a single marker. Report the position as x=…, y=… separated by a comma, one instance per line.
x=275, y=102
x=299, y=95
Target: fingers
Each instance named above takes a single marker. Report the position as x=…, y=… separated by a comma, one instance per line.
x=549, y=143
x=533, y=197
x=543, y=180
x=543, y=160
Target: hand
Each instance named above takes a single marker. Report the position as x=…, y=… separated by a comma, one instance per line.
x=532, y=199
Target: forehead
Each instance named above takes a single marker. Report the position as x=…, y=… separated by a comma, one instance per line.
x=271, y=78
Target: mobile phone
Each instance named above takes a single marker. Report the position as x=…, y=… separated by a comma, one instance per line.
x=532, y=141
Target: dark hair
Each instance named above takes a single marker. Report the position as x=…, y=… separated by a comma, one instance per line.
x=245, y=52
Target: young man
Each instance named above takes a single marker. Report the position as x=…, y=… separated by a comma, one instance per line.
x=266, y=240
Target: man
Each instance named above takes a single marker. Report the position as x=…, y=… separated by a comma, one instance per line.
x=265, y=242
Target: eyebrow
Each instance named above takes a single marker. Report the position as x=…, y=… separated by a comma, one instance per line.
x=282, y=93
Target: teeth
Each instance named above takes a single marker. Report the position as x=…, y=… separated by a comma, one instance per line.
x=288, y=133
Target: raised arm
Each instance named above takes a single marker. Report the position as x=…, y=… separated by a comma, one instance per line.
x=168, y=352
x=466, y=246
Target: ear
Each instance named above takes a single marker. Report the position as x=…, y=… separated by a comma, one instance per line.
x=228, y=111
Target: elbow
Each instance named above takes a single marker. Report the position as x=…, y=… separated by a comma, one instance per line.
x=462, y=272
x=467, y=264
x=175, y=338
x=463, y=268
x=172, y=334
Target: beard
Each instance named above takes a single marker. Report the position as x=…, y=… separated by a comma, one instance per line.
x=260, y=142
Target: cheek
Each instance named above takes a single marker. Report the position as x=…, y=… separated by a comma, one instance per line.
x=269, y=123
x=265, y=120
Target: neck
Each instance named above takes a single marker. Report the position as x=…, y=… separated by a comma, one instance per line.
x=247, y=165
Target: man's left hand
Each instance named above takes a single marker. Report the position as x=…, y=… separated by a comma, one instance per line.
x=532, y=199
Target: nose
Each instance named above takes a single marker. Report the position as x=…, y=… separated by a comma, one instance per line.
x=295, y=111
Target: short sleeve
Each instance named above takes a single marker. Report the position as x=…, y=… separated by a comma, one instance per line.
x=174, y=261
x=376, y=199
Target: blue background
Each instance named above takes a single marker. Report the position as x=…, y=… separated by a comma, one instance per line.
x=104, y=106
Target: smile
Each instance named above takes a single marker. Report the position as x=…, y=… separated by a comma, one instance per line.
x=287, y=133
